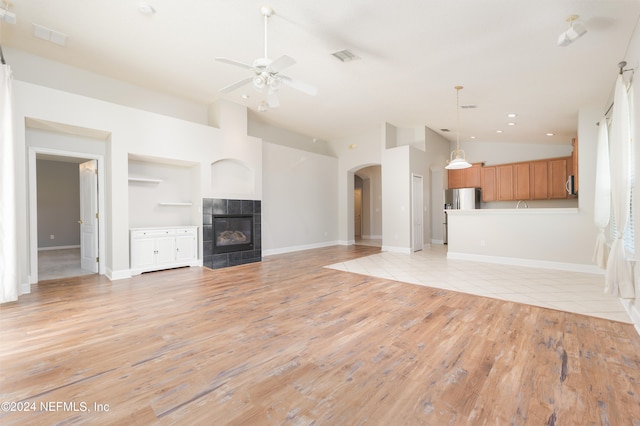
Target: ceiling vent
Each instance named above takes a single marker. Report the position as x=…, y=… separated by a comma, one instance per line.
x=445, y=130
x=48, y=34
x=468, y=106
x=345, y=55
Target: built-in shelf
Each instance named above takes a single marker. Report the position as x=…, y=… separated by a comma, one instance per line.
x=175, y=204
x=146, y=180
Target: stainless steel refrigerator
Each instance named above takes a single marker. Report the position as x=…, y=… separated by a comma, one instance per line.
x=459, y=199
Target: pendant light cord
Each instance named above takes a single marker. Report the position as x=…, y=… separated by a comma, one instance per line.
x=458, y=88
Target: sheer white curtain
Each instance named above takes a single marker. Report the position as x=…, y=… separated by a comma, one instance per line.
x=602, y=206
x=9, y=283
x=619, y=274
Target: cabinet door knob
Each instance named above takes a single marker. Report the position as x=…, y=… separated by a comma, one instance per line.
x=80, y=222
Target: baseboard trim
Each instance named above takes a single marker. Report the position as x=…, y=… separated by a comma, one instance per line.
x=283, y=250
x=118, y=275
x=633, y=311
x=393, y=249
x=58, y=248
x=531, y=263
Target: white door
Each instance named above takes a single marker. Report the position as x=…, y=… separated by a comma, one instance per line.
x=417, y=213
x=89, y=216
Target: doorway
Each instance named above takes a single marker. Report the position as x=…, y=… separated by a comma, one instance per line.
x=73, y=239
x=366, y=216
x=357, y=208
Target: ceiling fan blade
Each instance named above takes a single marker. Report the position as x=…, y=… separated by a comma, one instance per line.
x=299, y=85
x=281, y=63
x=272, y=100
x=237, y=84
x=236, y=63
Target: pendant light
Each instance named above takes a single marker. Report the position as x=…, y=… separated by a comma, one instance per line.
x=457, y=160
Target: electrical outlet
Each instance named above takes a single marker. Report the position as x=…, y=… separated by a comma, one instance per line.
x=52, y=237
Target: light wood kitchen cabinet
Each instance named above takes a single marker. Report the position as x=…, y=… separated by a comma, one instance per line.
x=466, y=178
x=558, y=178
x=522, y=181
x=539, y=180
x=489, y=190
x=504, y=182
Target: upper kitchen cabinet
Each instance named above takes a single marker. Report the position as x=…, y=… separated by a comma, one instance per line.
x=527, y=180
x=489, y=189
x=466, y=178
x=559, y=171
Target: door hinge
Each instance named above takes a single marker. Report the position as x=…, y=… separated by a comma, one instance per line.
x=97, y=259
x=97, y=216
x=95, y=171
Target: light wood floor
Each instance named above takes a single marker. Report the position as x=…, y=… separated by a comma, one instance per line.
x=287, y=341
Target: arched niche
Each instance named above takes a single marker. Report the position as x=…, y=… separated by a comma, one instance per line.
x=232, y=176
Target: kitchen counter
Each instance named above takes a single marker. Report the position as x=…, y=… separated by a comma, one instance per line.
x=530, y=210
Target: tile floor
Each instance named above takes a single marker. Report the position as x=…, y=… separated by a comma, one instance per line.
x=568, y=291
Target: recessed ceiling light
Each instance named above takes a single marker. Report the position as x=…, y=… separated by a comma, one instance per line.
x=244, y=96
x=498, y=131
x=146, y=9
x=512, y=115
x=473, y=137
x=550, y=134
x=511, y=123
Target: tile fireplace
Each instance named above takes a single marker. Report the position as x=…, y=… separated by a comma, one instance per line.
x=231, y=232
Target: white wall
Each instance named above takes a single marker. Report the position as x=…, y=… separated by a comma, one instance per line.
x=353, y=154
x=492, y=153
x=131, y=131
x=145, y=198
x=45, y=72
x=396, y=196
x=300, y=205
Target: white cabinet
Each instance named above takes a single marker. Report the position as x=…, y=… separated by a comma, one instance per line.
x=153, y=249
x=186, y=244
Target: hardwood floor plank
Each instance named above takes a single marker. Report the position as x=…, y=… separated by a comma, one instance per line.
x=287, y=341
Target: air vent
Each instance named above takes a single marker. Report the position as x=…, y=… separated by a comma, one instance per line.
x=445, y=130
x=48, y=34
x=345, y=55
x=468, y=106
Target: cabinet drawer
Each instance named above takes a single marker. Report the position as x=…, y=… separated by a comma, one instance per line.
x=185, y=231
x=153, y=233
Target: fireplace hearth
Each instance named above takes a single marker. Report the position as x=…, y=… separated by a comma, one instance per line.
x=231, y=232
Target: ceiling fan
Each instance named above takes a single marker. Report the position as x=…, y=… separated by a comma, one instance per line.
x=267, y=72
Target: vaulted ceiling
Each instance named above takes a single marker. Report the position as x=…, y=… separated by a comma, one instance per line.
x=411, y=55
